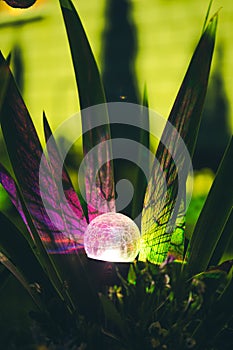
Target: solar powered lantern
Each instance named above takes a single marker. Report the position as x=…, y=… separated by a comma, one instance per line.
x=112, y=237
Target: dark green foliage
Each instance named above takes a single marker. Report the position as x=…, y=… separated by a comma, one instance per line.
x=159, y=309
x=209, y=233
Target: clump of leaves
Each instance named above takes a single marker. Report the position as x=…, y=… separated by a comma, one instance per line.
x=156, y=307
x=172, y=297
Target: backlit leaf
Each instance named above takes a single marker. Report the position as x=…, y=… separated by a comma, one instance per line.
x=72, y=213
x=25, y=152
x=163, y=214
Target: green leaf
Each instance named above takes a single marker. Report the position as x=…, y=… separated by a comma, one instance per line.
x=224, y=248
x=216, y=320
x=17, y=256
x=15, y=247
x=228, y=232
x=4, y=276
x=216, y=280
x=132, y=277
x=86, y=71
x=111, y=314
x=163, y=213
x=17, y=273
x=4, y=82
x=143, y=158
x=213, y=218
x=91, y=93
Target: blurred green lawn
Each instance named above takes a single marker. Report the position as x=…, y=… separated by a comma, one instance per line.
x=167, y=34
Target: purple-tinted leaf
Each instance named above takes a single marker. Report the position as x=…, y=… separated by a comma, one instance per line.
x=164, y=208
x=10, y=186
x=73, y=215
x=59, y=239
x=99, y=189
x=34, y=176
x=100, y=196
x=25, y=153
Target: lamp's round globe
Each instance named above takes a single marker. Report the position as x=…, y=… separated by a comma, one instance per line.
x=20, y=3
x=112, y=237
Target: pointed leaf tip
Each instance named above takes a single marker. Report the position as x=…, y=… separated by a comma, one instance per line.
x=212, y=26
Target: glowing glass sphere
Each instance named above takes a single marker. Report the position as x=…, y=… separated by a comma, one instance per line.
x=112, y=237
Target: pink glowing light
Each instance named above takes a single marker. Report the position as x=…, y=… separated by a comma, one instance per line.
x=112, y=237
